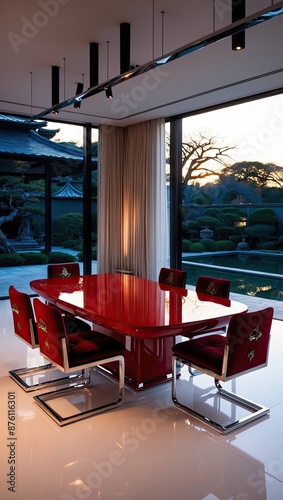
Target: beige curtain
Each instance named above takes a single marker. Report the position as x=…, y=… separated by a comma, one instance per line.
x=132, y=225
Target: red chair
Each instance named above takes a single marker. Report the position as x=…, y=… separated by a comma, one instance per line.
x=78, y=351
x=242, y=350
x=213, y=286
x=31, y=379
x=64, y=270
x=172, y=277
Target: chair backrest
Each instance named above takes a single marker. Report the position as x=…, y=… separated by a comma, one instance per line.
x=213, y=286
x=172, y=277
x=51, y=331
x=64, y=270
x=23, y=317
x=248, y=341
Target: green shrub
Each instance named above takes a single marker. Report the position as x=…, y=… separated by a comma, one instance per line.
x=58, y=257
x=69, y=243
x=235, y=210
x=229, y=219
x=212, y=212
x=74, y=245
x=224, y=232
x=67, y=227
x=209, y=245
x=186, y=245
x=93, y=254
x=260, y=232
x=31, y=258
x=237, y=238
x=269, y=245
x=11, y=260
x=185, y=226
x=225, y=245
x=197, y=248
x=210, y=222
x=264, y=216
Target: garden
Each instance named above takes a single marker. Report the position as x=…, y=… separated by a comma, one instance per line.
x=230, y=228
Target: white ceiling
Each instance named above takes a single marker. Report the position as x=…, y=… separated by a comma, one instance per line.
x=38, y=34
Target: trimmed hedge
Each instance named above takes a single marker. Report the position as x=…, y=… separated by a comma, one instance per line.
x=269, y=245
x=225, y=245
x=197, y=248
x=11, y=260
x=31, y=258
x=209, y=245
x=262, y=216
x=261, y=232
x=58, y=257
x=186, y=245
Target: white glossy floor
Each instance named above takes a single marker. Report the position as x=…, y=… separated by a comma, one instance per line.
x=146, y=448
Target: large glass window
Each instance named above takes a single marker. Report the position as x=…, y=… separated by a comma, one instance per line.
x=232, y=201
x=42, y=200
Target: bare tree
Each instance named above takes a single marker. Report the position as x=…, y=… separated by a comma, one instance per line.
x=199, y=153
x=256, y=173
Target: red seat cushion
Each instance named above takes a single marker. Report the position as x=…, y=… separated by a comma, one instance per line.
x=206, y=352
x=90, y=346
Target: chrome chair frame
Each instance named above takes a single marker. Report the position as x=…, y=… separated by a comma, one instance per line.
x=21, y=375
x=43, y=399
x=60, y=351
x=256, y=410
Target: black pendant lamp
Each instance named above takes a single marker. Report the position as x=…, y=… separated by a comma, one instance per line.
x=80, y=87
x=238, y=13
x=125, y=47
x=55, y=85
x=93, y=64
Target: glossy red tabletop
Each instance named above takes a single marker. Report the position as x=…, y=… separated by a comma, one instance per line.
x=136, y=306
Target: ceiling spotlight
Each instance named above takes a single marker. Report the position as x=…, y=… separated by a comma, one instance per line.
x=238, y=12
x=108, y=92
x=80, y=87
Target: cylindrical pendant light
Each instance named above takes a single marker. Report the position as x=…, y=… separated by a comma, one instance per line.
x=80, y=87
x=125, y=47
x=108, y=90
x=238, y=12
x=55, y=85
x=93, y=64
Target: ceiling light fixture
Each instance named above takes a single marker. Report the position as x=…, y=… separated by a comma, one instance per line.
x=79, y=90
x=251, y=21
x=31, y=94
x=108, y=88
x=162, y=31
x=153, y=26
x=93, y=64
x=125, y=47
x=64, y=73
x=238, y=13
x=55, y=85
x=109, y=93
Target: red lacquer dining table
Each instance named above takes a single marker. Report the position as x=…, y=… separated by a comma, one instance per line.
x=146, y=315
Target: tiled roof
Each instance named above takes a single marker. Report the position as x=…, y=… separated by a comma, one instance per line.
x=19, y=138
x=68, y=191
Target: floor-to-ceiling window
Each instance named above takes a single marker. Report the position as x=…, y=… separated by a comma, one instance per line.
x=228, y=164
x=43, y=209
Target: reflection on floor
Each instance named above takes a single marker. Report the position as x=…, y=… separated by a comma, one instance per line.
x=144, y=449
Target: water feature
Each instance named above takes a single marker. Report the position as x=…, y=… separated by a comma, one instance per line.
x=253, y=274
